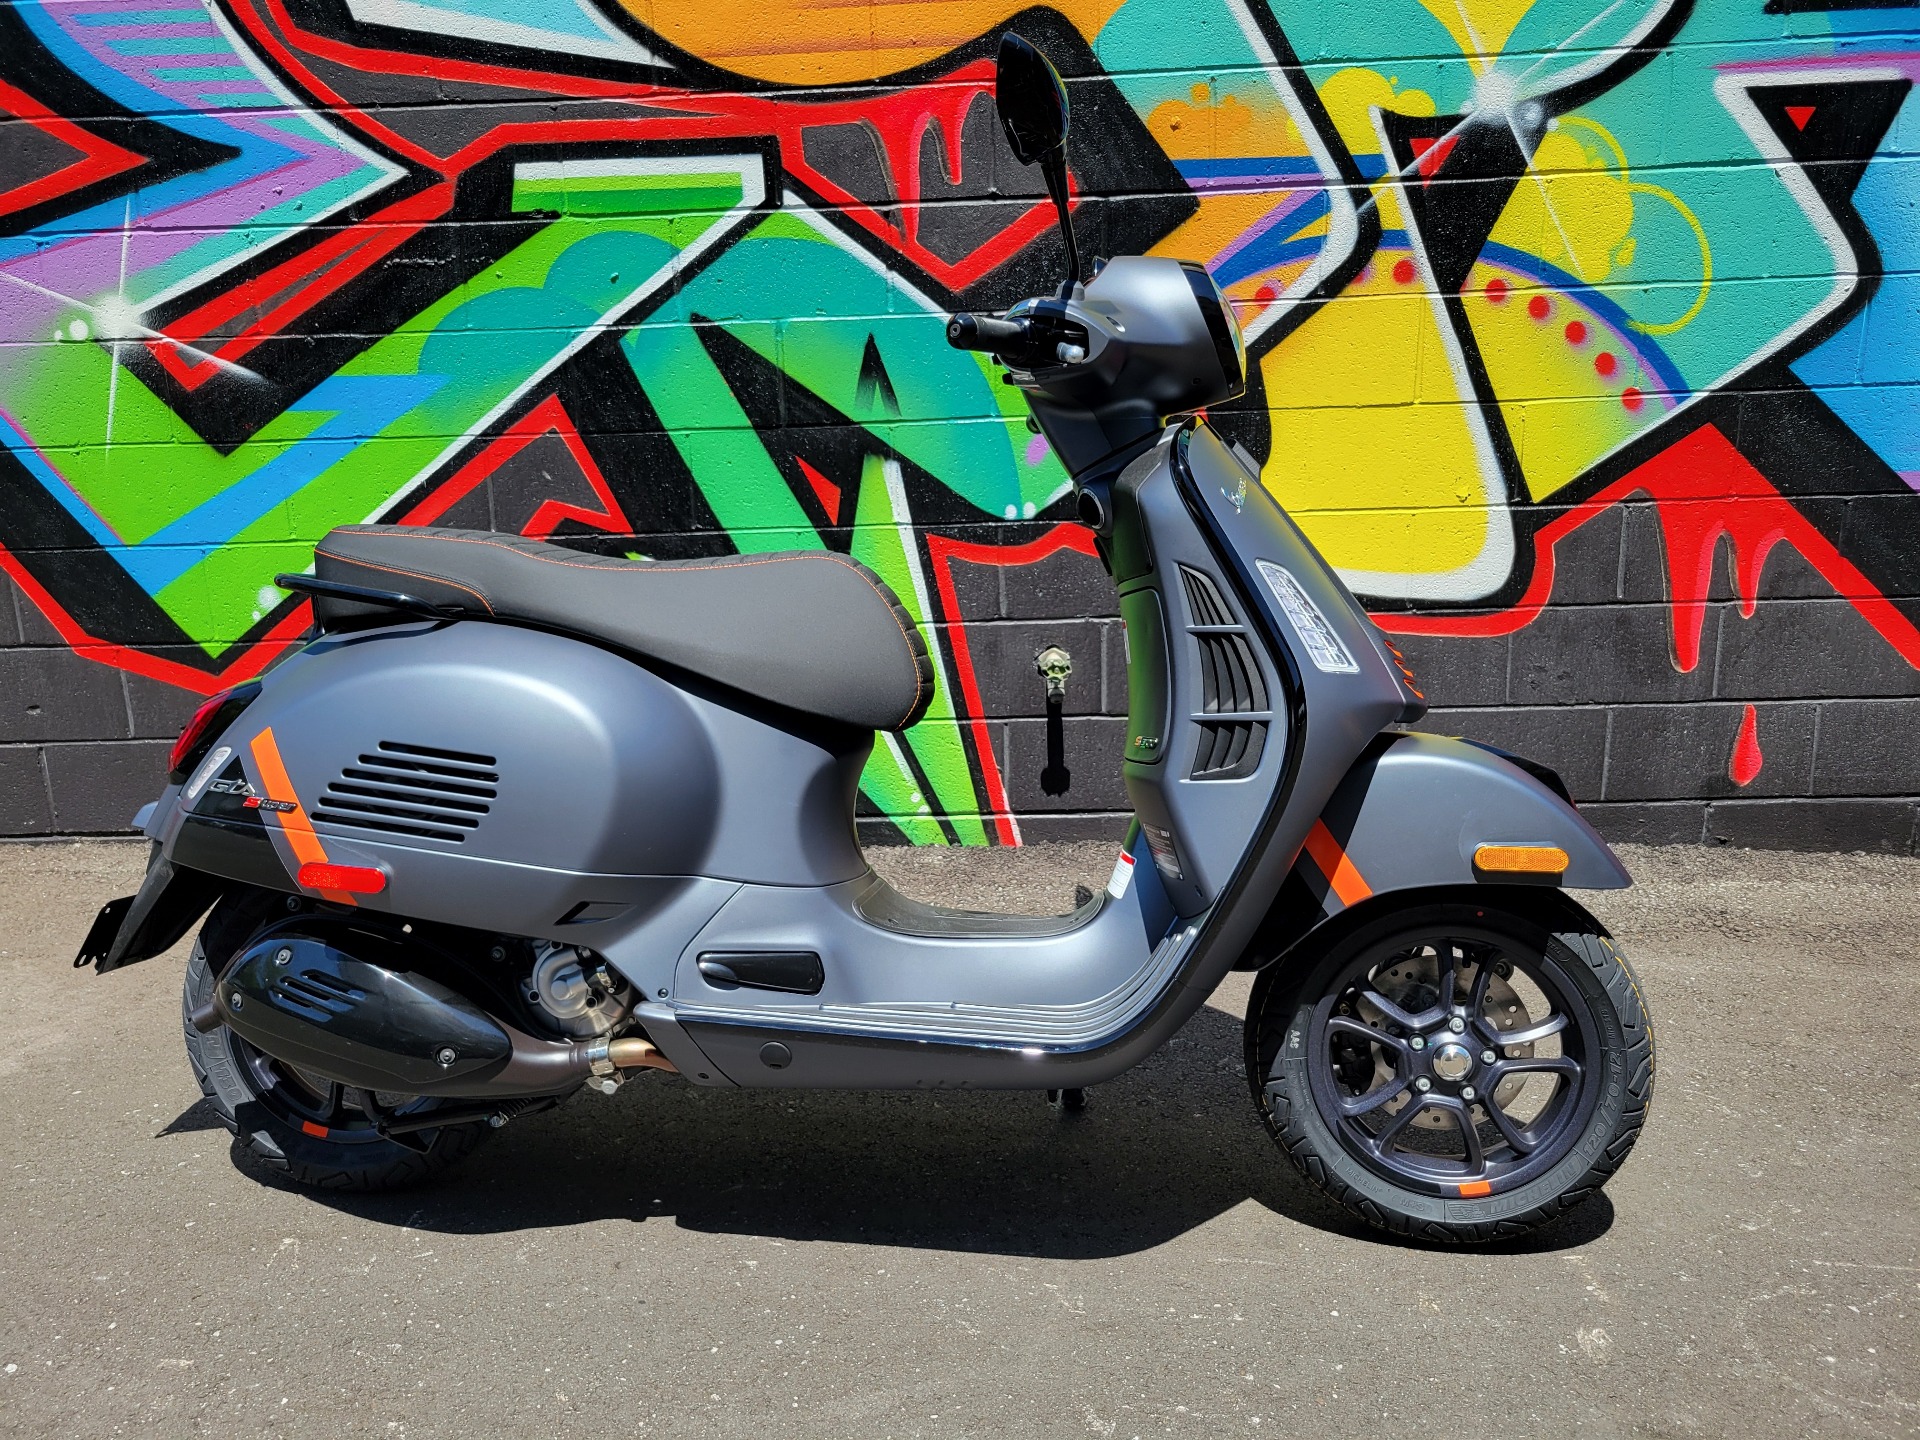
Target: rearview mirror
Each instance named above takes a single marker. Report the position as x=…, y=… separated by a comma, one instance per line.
x=1033, y=111
x=1031, y=100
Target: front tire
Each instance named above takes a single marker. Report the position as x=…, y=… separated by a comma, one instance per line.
x=1455, y=1072
x=315, y=1132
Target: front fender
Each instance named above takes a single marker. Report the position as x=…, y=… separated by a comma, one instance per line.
x=1413, y=811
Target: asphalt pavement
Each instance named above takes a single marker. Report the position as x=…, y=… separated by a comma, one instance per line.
x=681, y=1262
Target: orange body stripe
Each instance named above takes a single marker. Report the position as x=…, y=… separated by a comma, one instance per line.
x=1342, y=874
x=294, y=824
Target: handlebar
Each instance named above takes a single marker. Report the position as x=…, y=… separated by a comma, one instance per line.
x=984, y=332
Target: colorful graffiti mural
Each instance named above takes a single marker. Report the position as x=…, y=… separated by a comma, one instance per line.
x=1548, y=299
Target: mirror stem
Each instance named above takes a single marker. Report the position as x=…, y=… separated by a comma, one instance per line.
x=1054, y=167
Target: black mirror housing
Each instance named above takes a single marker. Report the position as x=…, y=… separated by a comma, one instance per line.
x=1033, y=111
x=1031, y=100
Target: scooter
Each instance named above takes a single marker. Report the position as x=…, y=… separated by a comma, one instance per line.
x=519, y=821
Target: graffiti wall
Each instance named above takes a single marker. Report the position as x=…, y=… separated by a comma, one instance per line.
x=1586, y=338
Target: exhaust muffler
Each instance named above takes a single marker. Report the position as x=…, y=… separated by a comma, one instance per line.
x=307, y=1002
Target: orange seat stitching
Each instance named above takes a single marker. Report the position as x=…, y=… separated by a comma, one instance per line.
x=398, y=533
x=411, y=575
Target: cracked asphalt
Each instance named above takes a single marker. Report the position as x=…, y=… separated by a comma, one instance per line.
x=690, y=1263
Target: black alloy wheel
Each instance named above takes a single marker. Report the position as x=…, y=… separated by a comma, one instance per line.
x=1458, y=1072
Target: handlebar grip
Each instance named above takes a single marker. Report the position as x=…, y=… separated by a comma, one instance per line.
x=984, y=332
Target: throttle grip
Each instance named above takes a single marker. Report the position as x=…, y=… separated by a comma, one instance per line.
x=985, y=332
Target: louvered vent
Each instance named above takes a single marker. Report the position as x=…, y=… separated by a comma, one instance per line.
x=1209, y=607
x=1230, y=681
x=1234, y=709
x=412, y=790
x=1229, y=749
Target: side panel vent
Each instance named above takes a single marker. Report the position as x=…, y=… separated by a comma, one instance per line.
x=1230, y=681
x=412, y=790
x=1229, y=749
x=1204, y=600
x=1235, y=712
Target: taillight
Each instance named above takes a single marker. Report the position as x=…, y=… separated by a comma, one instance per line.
x=209, y=721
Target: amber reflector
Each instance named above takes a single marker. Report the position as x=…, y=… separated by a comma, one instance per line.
x=354, y=879
x=1521, y=859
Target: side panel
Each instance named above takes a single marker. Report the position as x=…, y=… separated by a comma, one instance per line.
x=1412, y=812
x=507, y=779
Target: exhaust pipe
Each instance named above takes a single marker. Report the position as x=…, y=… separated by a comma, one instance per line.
x=309, y=1003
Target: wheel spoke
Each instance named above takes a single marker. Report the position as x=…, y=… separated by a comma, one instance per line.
x=1482, y=977
x=1462, y=1113
x=1449, y=977
x=1509, y=1129
x=1371, y=1101
x=1534, y=1064
x=1552, y=1025
x=1346, y=1025
x=1398, y=1122
x=1387, y=1008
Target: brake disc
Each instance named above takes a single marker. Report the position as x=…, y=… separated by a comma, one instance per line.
x=1413, y=983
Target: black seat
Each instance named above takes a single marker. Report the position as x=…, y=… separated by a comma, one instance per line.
x=808, y=630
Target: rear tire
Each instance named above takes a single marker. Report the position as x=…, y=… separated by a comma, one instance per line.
x=266, y=1105
x=1335, y=1072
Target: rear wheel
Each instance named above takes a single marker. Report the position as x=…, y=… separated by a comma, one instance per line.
x=318, y=1132
x=1456, y=1072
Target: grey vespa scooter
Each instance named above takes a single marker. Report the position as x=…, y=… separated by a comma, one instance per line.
x=519, y=821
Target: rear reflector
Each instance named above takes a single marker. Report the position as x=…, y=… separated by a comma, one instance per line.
x=1521, y=859
x=354, y=879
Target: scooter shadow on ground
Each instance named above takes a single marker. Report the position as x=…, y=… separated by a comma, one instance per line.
x=1165, y=1148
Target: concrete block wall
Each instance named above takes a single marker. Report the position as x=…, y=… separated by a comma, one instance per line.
x=1585, y=341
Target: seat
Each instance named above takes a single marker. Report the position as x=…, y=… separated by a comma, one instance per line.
x=807, y=630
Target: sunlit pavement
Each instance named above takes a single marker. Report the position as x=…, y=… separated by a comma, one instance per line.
x=683, y=1262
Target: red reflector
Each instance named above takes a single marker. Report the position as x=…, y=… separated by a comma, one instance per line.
x=189, y=737
x=354, y=879
x=319, y=1132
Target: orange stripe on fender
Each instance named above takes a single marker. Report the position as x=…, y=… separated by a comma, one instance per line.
x=1342, y=874
x=294, y=824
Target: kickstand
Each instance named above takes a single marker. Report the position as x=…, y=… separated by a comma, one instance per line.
x=1067, y=1102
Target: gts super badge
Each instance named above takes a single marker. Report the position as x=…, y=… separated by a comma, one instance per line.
x=231, y=797
x=277, y=807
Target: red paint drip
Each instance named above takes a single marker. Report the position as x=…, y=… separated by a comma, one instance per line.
x=1704, y=489
x=1746, y=750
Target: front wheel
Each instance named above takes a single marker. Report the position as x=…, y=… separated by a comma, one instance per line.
x=1458, y=1072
